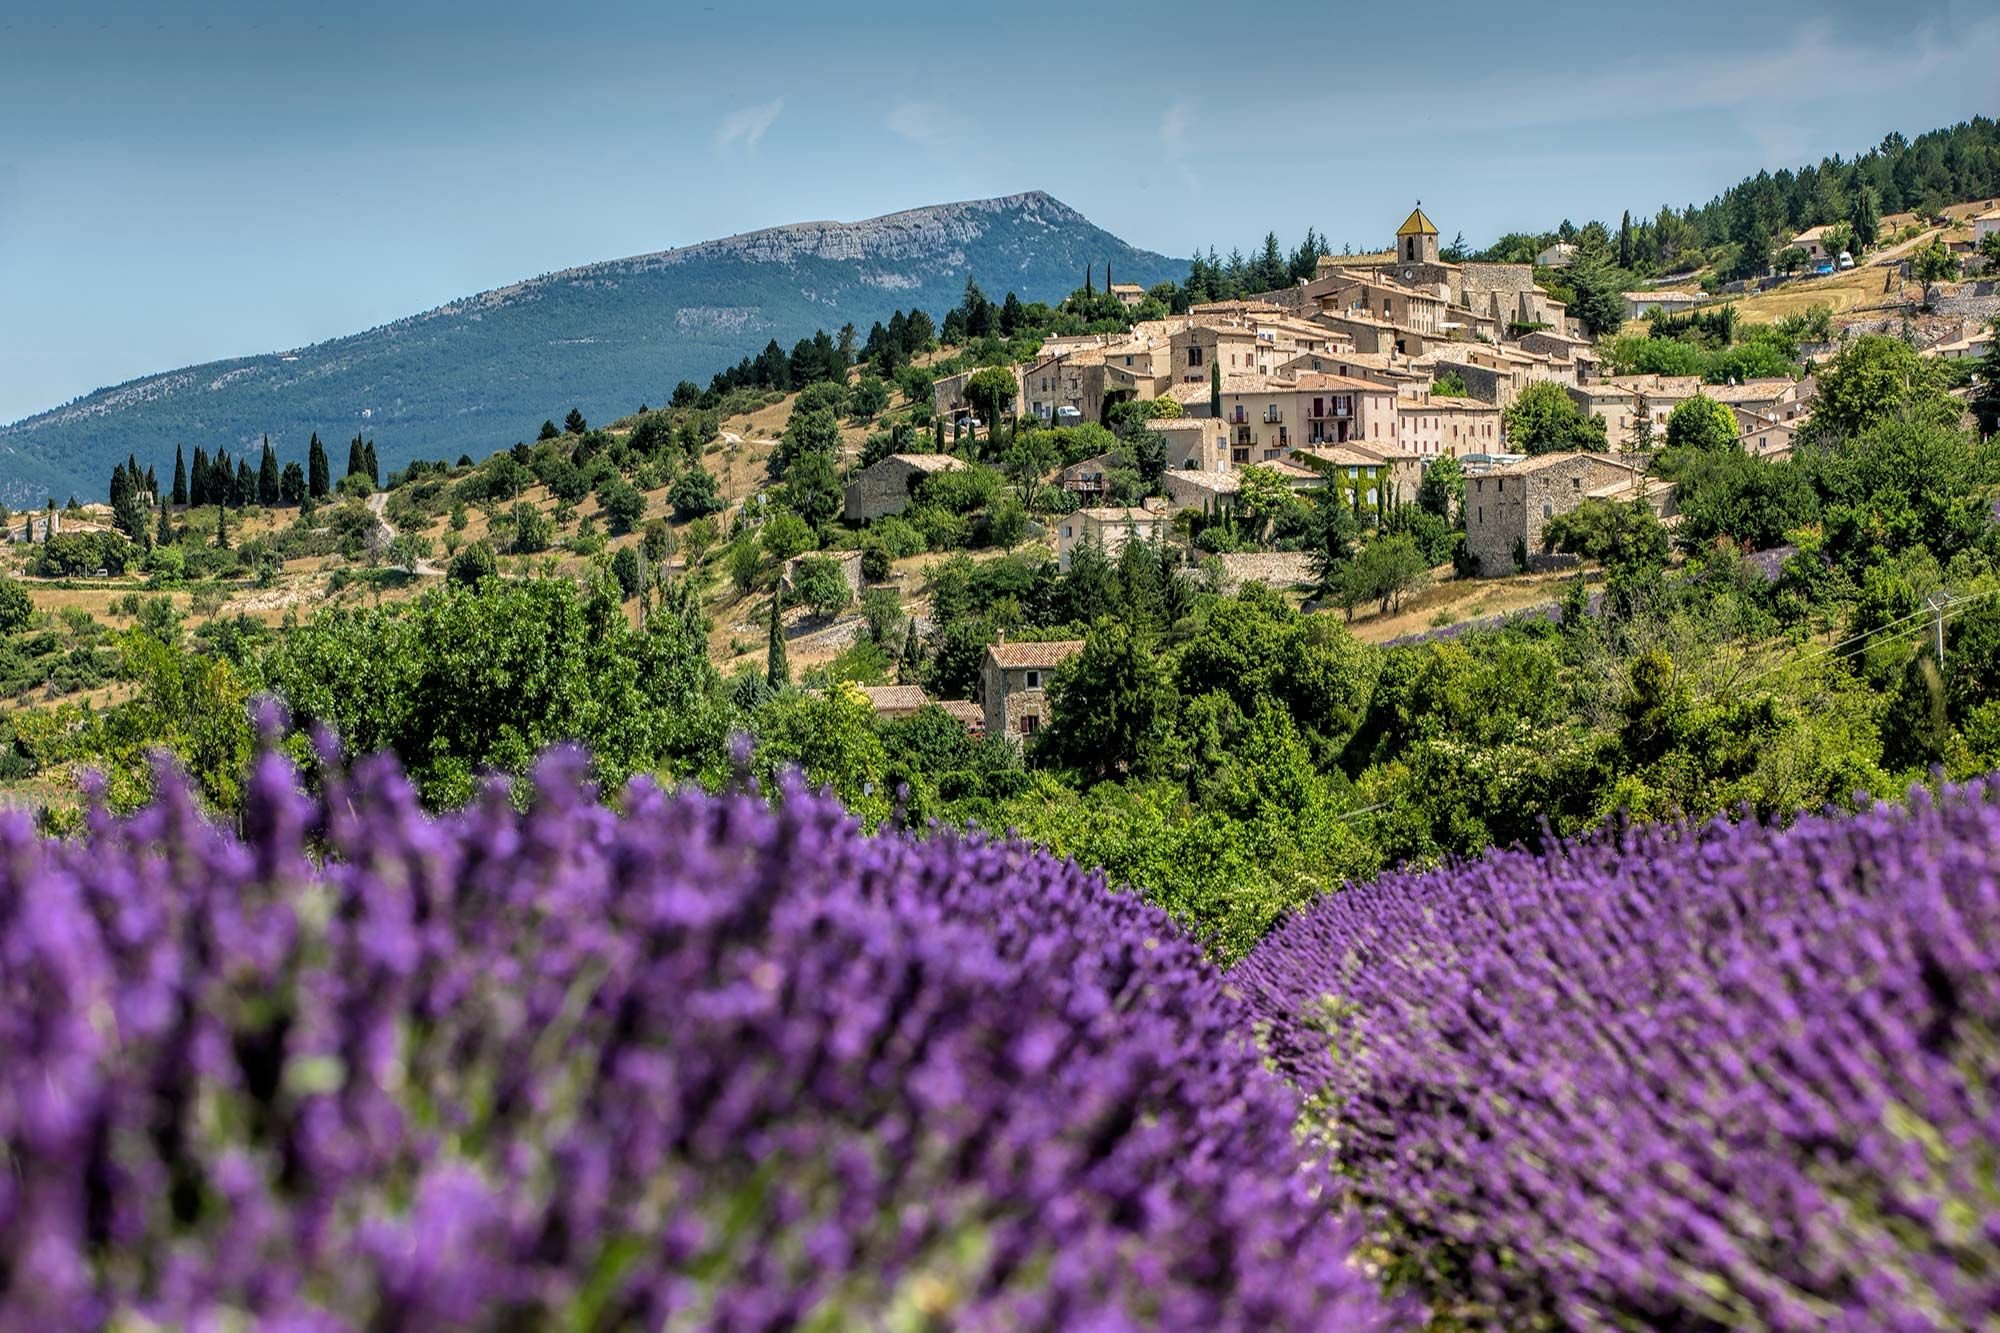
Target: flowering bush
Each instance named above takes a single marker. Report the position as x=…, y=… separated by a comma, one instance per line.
x=702, y=1063
x=1727, y=1077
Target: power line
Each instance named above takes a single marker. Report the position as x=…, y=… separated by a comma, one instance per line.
x=1935, y=612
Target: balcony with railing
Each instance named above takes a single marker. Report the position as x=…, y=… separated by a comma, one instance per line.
x=1272, y=416
x=1236, y=416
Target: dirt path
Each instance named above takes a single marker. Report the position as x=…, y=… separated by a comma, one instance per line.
x=378, y=505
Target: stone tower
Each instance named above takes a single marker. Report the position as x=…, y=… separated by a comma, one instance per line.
x=1417, y=239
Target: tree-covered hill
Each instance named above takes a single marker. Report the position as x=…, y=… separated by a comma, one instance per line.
x=483, y=370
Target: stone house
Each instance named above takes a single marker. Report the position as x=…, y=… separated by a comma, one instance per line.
x=1014, y=683
x=892, y=703
x=1507, y=507
x=848, y=562
x=1073, y=379
x=1188, y=488
x=1129, y=294
x=1436, y=425
x=1088, y=478
x=1111, y=527
x=1200, y=442
x=1266, y=418
x=1640, y=304
x=948, y=398
x=1777, y=397
x=1762, y=435
x=1813, y=241
x=884, y=486
x=1560, y=255
x=35, y=527
x=1363, y=477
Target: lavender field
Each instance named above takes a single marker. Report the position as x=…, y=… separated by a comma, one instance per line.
x=698, y=1064
x=1715, y=1078
x=694, y=1061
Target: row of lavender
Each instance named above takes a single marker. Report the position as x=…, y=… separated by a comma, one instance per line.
x=697, y=1063
x=1719, y=1078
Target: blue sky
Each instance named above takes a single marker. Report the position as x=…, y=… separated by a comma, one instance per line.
x=180, y=183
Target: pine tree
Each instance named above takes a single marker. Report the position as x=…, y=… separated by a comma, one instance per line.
x=777, y=672
x=267, y=476
x=355, y=461
x=221, y=527
x=1867, y=218
x=180, y=477
x=368, y=461
x=319, y=474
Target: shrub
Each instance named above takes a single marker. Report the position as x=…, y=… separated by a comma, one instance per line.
x=695, y=494
x=473, y=563
x=1726, y=1077
x=818, y=584
x=704, y=1063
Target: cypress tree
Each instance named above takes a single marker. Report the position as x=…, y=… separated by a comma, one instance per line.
x=777, y=672
x=152, y=481
x=267, y=476
x=180, y=477
x=246, y=482
x=318, y=472
x=1215, y=389
x=221, y=528
x=198, y=478
x=166, y=534
x=368, y=460
x=121, y=486
x=355, y=462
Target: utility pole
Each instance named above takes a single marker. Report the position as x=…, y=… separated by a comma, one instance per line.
x=1937, y=618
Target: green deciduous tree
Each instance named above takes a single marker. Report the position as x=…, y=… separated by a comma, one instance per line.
x=819, y=585
x=1701, y=423
x=1545, y=419
x=1110, y=706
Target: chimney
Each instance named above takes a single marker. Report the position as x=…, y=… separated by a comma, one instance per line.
x=1002, y=639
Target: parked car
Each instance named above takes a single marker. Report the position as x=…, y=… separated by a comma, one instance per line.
x=967, y=421
x=1846, y=260
x=1068, y=416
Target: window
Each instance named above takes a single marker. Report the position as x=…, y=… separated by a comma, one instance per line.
x=1066, y=530
x=1034, y=680
x=1576, y=483
x=1482, y=513
x=1030, y=724
x=1547, y=511
x=1194, y=356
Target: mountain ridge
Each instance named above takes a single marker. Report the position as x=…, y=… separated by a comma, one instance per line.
x=476, y=372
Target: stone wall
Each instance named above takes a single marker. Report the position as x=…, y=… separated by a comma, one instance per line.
x=1509, y=509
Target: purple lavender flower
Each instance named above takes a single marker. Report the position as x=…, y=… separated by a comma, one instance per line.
x=1684, y=1078
x=706, y=1062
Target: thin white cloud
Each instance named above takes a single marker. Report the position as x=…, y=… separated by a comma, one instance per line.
x=1176, y=122
x=929, y=124
x=744, y=128
x=1814, y=67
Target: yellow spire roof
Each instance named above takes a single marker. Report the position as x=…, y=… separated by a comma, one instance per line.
x=1417, y=224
